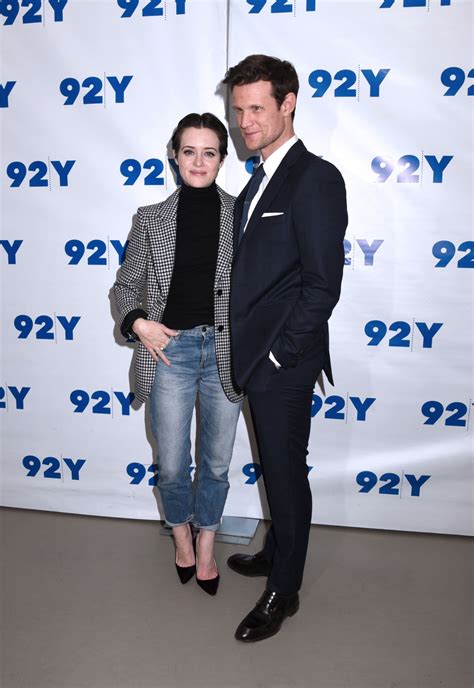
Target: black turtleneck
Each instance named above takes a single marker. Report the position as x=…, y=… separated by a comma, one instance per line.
x=190, y=299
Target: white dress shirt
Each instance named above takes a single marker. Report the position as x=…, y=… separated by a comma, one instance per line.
x=270, y=166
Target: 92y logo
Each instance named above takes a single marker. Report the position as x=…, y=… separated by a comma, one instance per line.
x=99, y=251
x=103, y=401
x=152, y=8
x=404, y=333
x=368, y=250
x=350, y=86
x=407, y=168
x=17, y=170
x=33, y=466
x=18, y=393
x=70, y=88
x=11, y=11
x=48, y=326
x=368, y=480
x=339, y=407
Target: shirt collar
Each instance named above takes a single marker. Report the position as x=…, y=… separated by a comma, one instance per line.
x=273, y=161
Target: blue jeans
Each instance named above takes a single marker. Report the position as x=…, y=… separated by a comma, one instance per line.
x=192, y=374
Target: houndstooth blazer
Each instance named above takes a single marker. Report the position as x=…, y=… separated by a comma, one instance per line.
x=144, y=280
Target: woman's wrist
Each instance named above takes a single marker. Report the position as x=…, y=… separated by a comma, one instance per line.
x=126, y=328
x=137, y=325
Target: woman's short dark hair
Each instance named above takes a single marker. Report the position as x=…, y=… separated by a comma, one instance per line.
x=205, y=121
x=280, y=73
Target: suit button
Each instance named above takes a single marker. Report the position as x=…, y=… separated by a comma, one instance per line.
x=219, y=292
x=220, y=328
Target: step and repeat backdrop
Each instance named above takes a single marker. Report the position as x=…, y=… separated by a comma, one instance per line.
x=89, y=95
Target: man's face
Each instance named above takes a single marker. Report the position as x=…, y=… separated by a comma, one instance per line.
x=264, y=124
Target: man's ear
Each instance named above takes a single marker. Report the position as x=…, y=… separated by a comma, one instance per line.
x=289, y=104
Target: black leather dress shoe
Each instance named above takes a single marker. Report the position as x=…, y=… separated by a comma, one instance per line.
x=250, y=565
x=267, y=616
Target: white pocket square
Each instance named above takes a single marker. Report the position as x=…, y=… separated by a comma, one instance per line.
x=271, y=214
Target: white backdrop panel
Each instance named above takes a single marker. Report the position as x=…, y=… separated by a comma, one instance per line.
x=391, y=443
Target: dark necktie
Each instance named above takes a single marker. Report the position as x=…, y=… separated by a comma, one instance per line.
x=254, y=185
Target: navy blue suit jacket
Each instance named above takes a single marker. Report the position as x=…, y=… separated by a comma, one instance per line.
x=288, y=268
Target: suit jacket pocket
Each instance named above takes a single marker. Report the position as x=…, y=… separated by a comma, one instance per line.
x=273, y=228
x=273, y=216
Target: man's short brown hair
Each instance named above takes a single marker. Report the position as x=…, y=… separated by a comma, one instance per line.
x=280, y=73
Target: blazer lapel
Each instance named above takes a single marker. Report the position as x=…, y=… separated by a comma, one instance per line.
x=239, y=204
x=163, y=238
x=224, y=253
x=163, y=241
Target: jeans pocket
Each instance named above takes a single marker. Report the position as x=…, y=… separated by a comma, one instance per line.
x=175, y=339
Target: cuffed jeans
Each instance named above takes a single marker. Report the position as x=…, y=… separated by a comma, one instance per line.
x=193, y=373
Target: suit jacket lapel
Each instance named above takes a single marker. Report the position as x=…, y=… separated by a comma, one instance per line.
x=271, y=190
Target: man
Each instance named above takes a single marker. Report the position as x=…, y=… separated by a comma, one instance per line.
x=289, y=227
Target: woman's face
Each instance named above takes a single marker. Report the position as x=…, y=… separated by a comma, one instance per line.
x=198, y=157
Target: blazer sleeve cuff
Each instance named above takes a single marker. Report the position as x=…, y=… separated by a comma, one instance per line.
x=127, y=323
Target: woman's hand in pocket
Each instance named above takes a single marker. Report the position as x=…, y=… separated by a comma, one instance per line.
x=154, y=336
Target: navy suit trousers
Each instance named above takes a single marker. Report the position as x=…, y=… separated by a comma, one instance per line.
x=280, y=403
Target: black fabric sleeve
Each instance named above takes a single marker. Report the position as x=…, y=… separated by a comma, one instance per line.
x=127, y=323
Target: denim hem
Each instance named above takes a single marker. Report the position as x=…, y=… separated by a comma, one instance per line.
x=212, y=528
x=175, y=525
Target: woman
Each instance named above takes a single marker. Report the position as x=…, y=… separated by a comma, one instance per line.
x=179, y=255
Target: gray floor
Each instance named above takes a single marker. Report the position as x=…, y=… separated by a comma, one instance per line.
x=96, y=603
